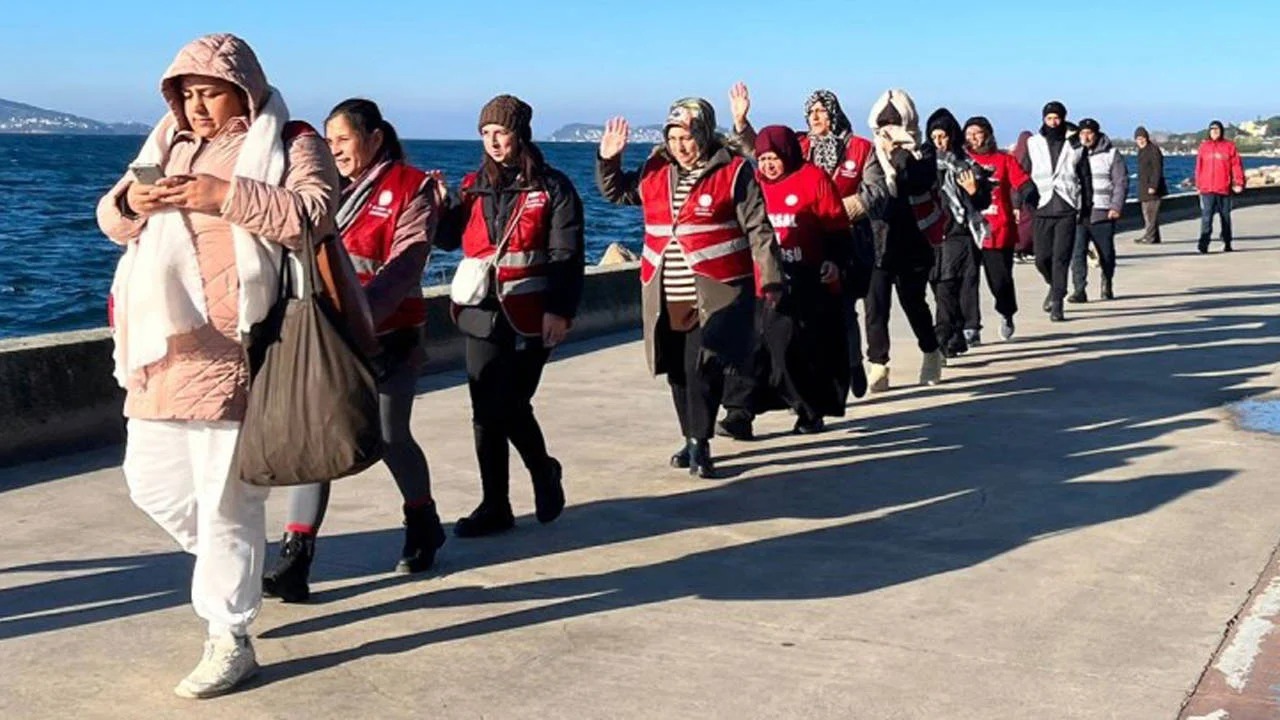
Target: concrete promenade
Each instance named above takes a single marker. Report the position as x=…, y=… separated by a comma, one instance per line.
x=1063, y=529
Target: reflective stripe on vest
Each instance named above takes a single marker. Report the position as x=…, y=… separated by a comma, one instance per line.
x=1100, y=164
x=1050, y=180
x=365, y=265
x=706, y=227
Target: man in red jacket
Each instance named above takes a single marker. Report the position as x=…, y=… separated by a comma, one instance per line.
x=1219, y=175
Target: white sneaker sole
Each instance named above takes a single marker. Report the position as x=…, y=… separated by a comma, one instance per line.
x=189, y=693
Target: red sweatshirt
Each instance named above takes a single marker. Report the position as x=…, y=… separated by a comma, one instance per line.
x=1218, y=168
x=1007, y=176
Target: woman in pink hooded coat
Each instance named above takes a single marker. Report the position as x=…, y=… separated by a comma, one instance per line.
x=203, y=251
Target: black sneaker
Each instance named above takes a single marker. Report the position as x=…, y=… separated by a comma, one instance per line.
x=484, y=521
x=1057, y=316
x=1077, y=297
x=548, y=492
x=737, y=425
x=1108, y=292
x=288, y=580
x=423, y=536
x=1203, y=245
x=1048, y=302
x=1226, y=246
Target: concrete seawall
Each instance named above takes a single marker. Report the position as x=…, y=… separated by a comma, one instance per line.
x=57, y=395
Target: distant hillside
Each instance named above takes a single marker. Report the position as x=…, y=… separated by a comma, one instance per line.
x=585, y=133
x=19, y=119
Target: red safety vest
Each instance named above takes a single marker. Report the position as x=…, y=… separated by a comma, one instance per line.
x=707, y=227
x=931, y=215
x=848, y=174
x=520, y=271
x=369, y=238
x=801, y=215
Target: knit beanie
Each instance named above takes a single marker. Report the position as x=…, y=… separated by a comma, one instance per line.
x=511, y=113
x=1054, y=108
x=1090, y=124
x=1141, y=132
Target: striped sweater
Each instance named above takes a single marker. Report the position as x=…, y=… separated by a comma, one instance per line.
x=677, y=277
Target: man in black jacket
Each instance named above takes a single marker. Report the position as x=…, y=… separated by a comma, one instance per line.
x=1063, y=196
x=1151, y=185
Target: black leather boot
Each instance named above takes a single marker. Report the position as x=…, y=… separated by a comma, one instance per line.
x=288, y=580
x=485, y=520
x=681, y=458
x=548, y=492
x=700, y=463
x=423, y=536
x=1107, y=292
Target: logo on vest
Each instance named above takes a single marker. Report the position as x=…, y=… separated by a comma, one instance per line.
x=791, y=200
x=850, y=165
x=535, y=200
x=384, y=198
x=705, y=200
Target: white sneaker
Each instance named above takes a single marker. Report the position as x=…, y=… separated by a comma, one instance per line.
x=228, y=661
x=931, y=368
x=1006, y=328
x=878, y=378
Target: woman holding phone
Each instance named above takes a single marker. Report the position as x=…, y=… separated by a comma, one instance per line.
x=201, y=266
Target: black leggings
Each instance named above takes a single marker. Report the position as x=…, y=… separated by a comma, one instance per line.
x=503, y=372
x=401, y=453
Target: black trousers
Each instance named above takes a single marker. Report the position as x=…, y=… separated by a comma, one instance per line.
x=1103, y=237
x=970, y=305
x=1055, y=239
x=852, y=329
x=911, y=287
x=697, y=382
x=503, y=372
x=998, y=265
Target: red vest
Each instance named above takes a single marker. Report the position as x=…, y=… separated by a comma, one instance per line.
x=520, y=272
x=931, y=215
x=369, y=237
x=1006, y=177
x=848, y=174
x=707, y=227
x=797, y=218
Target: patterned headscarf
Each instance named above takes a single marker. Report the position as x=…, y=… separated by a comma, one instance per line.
x=696, y=116
x=826, y=150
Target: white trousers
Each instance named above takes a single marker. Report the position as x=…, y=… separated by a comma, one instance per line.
x=182, y=473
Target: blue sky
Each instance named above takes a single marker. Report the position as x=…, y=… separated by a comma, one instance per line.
x=1169, y=64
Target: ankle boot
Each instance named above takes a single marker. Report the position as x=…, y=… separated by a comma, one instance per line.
x=548, y=492
x=288, y=579
x=680, y=459
x=423, y=536
x=485, y=520
x=700, y=463
x=1107, y=293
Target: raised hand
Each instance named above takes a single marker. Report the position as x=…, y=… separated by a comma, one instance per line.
x=739, y=104
x=968, y=181
x=616, y=131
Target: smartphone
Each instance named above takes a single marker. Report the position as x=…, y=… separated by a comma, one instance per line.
x=146, y=174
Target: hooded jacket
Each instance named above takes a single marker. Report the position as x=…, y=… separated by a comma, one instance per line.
x=203, y=376
x=1218, y=167
x=965, y=211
